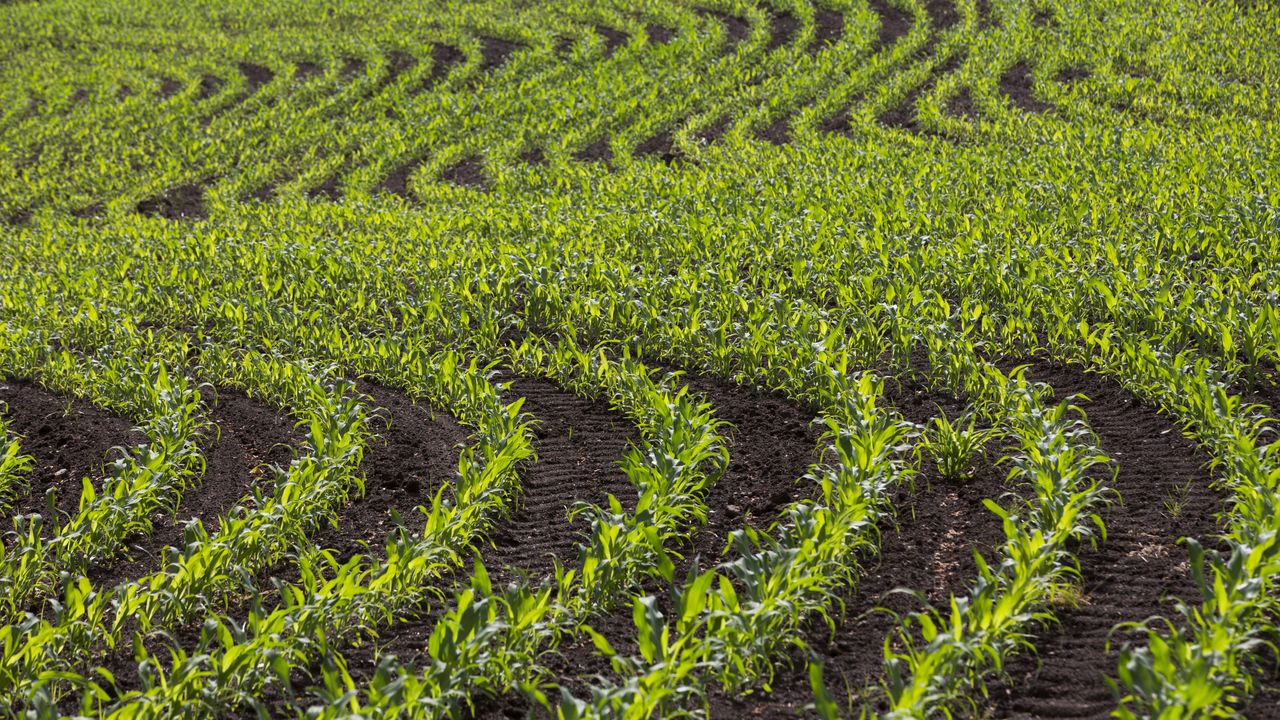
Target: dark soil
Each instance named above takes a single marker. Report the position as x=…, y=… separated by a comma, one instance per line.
x=494, y=52
x=894, y=23
x=713, y=132
x=328, y=190
x=783, y=30
x=660, y=34
x=255, y=75
x=19, y=217
x=79, y=96
x=903, y=116
x=986, y=17
x=468, y=172
x=772, y=443
x=929, y=549
x=209, y=86
x=398, y=63
x=1140, y=567
x=397, y=183
x=1072, y=74
x=736, y=29
x=414, y=455
x=613, y=39
x=942, y=13
x=168, y=88
x=1017, y=84
x=962, y=105
x=249, y=437
x=778, y=132
x=533, y=156
x=579, y=445
x=89, y=211
x=839, y=124
x=352, y=67
x=1265, y=703
x=180, y=203
x=305, y=70
x=1044, y=17
x=443, y=60
x=69, y=439
x=660, y=146
x=828, y=28
x=598, y=151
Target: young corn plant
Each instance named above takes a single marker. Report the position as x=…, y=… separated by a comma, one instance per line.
x=940, y=657
x=957, y=447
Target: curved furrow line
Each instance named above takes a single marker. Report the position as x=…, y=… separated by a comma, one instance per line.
x=772, y=442
x=894, y=23
x=1017, y=84
x=250, y=437
x=70, y=439
x=929, y=550
x=782, y=30
x=579, y=445
x=1165, y=494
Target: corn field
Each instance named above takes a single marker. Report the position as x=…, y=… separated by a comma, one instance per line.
x=617, y=359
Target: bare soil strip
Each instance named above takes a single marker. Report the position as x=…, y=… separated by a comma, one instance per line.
x=70, y=439
x=783, y=30
x=249, y=437
x=414, y=454
x=185, y=202
x=1166, y=495
x=1017, y=84
x=579, y=444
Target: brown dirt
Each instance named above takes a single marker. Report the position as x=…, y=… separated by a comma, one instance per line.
x=713, y=132
x=255, y=75
x=659, y=34
x=305, y=70
x=168, y=88
x=397, y=183
x=962, y=105
x=598, y=151
x=209, y=86
x=494, y=52
x=1044, y=18
x=533, y=156
x=828, y=28
x=351, y=67
x=613, y=39
x=249, y=437
x=414, y=454
x=1140, y=567
x=69, y=439
x=89, y=211
x=579, y=445
x=736, y=29
x=772, y=442
x=943, y=13
x=894, y=23
x=782, y=31
x=1072, y=74
x=660, y=146
x=468, y=172
x=443, y=59
x=778, y=132
x=1017, y=84
x=839, y=124
x=180, y=203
